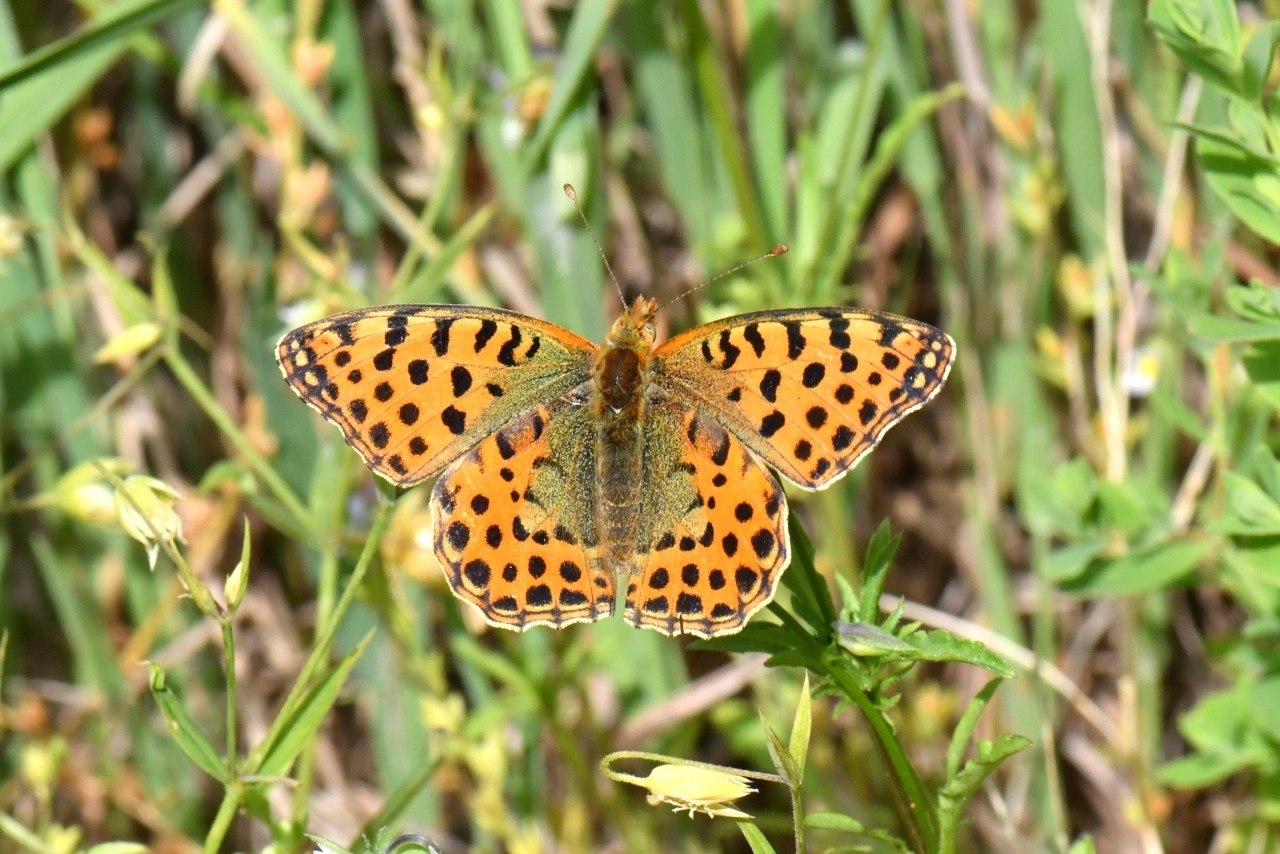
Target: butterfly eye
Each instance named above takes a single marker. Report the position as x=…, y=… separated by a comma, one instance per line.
x=649, y=330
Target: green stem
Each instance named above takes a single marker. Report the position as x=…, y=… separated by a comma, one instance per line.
x=229, y=654
x=909, y=793
x=222, y=821
x=797, y=817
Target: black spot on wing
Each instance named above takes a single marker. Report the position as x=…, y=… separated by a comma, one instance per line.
x=795, y=339
x=440, y=336
x=486, y=331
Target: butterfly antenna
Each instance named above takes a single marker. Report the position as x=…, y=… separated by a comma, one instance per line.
x=780, y=249
x=573, y=197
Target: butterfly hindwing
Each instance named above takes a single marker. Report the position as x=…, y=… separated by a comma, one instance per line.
x=412, y=387
x=810, y=390
x=515, y=527
x=713, y=533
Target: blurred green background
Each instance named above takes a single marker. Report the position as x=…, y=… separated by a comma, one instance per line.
x=1083, y=194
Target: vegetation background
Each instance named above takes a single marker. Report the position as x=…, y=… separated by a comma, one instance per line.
x=1083, y=194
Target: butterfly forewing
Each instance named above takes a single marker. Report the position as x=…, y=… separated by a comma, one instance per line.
x=810, y=390
x=413, y=387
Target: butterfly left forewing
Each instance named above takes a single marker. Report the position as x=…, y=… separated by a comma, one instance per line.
x=414, y=386
x=810, y=390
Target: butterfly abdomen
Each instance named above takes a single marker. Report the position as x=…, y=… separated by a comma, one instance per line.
x=618, y=399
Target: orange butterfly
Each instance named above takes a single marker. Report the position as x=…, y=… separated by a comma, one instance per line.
x=563, y=465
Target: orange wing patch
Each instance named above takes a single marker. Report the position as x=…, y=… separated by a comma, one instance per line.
x=514, y=527
x=412, y=387
x=715, y=530
x=810, y=390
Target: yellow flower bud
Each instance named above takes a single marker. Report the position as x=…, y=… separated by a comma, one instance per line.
x=131, y=341
x=695, y=789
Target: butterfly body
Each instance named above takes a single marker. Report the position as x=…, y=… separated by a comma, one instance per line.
x=618, y=399
x=563, y=468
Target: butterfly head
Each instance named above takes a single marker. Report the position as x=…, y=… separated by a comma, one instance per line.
x=634, y=329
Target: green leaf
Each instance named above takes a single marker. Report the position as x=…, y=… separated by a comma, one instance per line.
x=38, y=91
x=880, y=551
x=186, y=732
x=308, y=716
x=1250, y=509
x=1143, y=570
x=801, y=728
x=968, y=723
x=1205, y=35
x=1216, y=328
x=1177, y=413
x=783, y=761
x=1070, y=561
x=942, y=646
x=1127, y=505
x=1224, y=732
x=1262, y=364
x=960, y=787
x=118, y=848
x=1264, y=698
x=1245, y=182
x=1259, y=55
x=755, y=839
x=1083, y=845
x=834, y=821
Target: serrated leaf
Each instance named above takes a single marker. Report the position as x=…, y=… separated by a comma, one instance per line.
x=186, y=732
x=942, y=646
x=961, y=786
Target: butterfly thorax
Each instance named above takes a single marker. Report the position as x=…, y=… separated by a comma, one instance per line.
x=620, y=378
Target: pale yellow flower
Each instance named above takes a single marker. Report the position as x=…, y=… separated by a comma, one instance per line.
x=145, y=508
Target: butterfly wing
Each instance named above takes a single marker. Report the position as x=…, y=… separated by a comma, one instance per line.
x=515, y=527
x=412, y=387
x=809, y=390
x=713, y=535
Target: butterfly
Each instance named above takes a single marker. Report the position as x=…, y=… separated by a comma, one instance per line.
x=564, y=469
